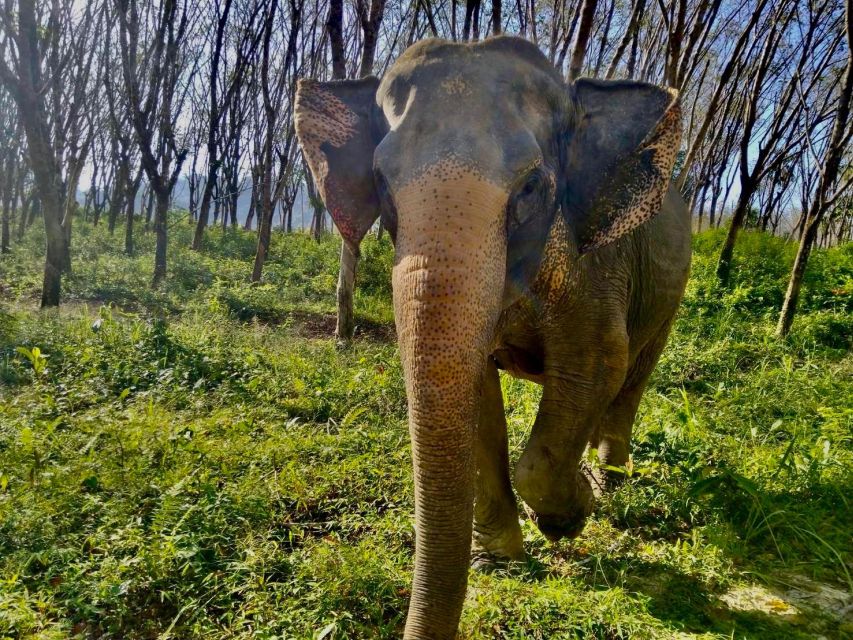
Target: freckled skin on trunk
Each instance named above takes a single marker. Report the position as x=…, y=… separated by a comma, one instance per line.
x=447, y=279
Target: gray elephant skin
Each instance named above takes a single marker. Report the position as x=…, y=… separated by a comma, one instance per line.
x=535, y=231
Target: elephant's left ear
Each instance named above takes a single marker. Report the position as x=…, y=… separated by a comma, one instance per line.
x=339, y=125
x=619, y=157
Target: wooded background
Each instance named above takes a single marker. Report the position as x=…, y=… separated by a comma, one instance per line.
x=135, y=97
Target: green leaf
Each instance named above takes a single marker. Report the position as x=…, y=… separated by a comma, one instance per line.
x=326, y=632
x=352, y=415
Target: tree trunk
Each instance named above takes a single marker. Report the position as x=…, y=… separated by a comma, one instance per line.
x=149, y=207
x=8, y=196
x=792, y=295
x=702, y=201
x=604, y=39
x=97, y=208
x=128, y=225
x=119, y=189
x=264, y=233
x=4, y=232
x=253, y=201
x=75, y=168
x=48, y=182
x=370, y=26
x=28, y=215
x=267, y=205
x=346, y=286
x=161, y=219
x=233, y=197
x=630, y=32
x=204, y=209
x=724, y=266
x=831, y=163
x=56, y=256
x=584, y=31
x=334, y=26
x=472, y=7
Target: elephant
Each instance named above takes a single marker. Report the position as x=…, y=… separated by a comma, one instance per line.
x=535, y=231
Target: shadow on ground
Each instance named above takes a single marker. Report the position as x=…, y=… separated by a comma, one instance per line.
x=322, y=325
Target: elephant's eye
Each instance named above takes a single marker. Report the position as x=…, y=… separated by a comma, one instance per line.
x=381, y=184
x=530, y=200
x=387, y=210
x=531, y=184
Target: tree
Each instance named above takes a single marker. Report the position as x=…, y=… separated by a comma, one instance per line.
x=49, y=55
x=584, y=32
x=771, y=98
x=733, y=62
x=152, y=75
x=272, y=92
x=10, y=166
x=220, y=103
x=823, y=198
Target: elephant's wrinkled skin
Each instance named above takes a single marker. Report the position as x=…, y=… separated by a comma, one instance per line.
x=534, y=232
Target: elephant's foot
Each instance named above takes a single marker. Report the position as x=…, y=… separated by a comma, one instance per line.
x=612, y=453
x=493, y=547
x=603, y=480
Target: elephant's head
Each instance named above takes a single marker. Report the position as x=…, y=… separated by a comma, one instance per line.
x=468, y=152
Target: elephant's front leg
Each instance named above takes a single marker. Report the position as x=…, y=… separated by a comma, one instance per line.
x=497, y=534
x=574, y=397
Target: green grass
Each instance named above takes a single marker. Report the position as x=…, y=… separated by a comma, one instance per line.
x=201, y=461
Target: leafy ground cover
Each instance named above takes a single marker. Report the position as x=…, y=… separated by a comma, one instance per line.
x=201, y=461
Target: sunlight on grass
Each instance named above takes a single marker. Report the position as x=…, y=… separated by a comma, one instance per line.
x=201, y=461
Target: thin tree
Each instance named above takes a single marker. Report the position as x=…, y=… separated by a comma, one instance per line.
x=762, y=152
x=246, y=45
x=822, y=199
x=630, y=35
x=722, y=84
x=582, y=42
x=272, y=91
x=10, y=166
x=151, y=77
x=33, y=70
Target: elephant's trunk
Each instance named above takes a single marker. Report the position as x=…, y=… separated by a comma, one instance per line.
x=448, y=280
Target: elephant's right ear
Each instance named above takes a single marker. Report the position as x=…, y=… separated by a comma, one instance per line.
x=619, y=157
x=339, y=125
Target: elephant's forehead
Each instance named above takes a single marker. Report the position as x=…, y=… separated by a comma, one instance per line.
x=487, y=104
x=445, y=120
x=464, y=69
x=459, y=80
x=411, y=155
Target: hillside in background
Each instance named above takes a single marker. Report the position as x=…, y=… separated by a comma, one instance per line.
x=199, y=460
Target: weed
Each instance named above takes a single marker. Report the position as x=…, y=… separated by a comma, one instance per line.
x=200, y=461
